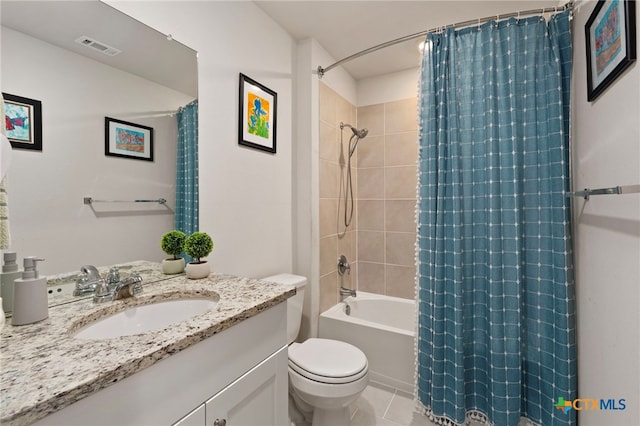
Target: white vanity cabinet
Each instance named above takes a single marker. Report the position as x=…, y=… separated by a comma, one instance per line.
x=238, y=375
x=194, y=418
x=255, y=399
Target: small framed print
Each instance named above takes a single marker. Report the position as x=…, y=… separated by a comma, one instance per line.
x=23, y=122
x=258, y=113
x=128, y=140
x=611, y=43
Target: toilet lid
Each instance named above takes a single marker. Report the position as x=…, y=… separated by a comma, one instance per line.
x=327, y=358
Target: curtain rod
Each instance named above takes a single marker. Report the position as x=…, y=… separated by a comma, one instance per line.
x=566, y=6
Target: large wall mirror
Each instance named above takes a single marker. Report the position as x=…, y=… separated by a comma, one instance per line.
x=146, y=83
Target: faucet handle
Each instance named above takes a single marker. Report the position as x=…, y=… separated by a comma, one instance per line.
x=343, y=265
x=114, y=276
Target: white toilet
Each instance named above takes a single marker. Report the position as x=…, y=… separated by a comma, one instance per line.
x=326, y=374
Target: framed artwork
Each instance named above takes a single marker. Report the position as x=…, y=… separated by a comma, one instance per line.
x=23, y=122
x=128, y=140
x=611, y=43
x=258, y=113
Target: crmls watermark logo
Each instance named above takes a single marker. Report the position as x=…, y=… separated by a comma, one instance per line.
x=590, y=404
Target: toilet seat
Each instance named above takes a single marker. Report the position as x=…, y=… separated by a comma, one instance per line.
x=328, y=361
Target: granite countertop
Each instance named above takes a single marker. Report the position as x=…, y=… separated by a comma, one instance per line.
x=44, y=369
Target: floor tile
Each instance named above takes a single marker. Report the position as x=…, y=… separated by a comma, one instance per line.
x=402, y=410
x=367, y=418
x=375, y=399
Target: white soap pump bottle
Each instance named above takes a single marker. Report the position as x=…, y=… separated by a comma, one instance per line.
x=10, y=273
x=30, y=303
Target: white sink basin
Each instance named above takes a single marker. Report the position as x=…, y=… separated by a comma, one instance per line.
x=145, y=318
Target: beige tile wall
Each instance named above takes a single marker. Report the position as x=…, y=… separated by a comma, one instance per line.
x=387, y=160
x=379, y=243
x=334, y=109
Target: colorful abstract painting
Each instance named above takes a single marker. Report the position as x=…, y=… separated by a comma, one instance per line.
x=608, y=38
x=257, y=118
x=128, y=140
x=23, y=122
x=18, y=121
x=610, y=35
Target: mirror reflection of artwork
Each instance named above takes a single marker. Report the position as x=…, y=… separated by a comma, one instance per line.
x=23, y=122
x=17, y=122
x=129, y=140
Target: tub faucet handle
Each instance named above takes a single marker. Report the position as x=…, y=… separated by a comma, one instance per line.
x=343, y=265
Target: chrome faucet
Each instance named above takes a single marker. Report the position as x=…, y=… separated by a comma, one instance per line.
x=347, y=292
x=87, y=280
x=127, y=287
x=343, y=266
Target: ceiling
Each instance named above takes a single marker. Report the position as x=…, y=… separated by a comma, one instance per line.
x=145, y=52
x=341, y=27
x=346, y=27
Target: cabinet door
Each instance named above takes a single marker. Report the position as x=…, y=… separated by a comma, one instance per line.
x=257, y=398
x=194, y=418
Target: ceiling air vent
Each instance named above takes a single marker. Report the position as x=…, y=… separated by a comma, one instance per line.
x=98, y=45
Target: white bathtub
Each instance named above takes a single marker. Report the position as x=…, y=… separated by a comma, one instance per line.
x=383, y=327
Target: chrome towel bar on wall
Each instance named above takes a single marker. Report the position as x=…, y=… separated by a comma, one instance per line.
x=616, y=190
x=90, y=200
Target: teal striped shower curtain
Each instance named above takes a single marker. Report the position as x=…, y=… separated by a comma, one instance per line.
x=496, y=307
x=187, y=170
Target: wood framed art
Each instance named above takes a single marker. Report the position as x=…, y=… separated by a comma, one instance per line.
x=611, y=43
x=128, y=140
x=23, y=122
x=257, y=115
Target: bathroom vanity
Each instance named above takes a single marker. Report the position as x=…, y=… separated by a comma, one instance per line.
x=226, y=365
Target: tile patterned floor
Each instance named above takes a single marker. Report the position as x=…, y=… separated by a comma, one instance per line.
x=381, y=405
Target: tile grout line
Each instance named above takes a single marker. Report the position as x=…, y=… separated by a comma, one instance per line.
x=384, y=416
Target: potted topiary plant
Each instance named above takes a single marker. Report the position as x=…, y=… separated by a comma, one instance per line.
x=173, y=243
x=198, y=245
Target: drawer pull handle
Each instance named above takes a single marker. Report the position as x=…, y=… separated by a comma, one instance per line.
x=219, y=422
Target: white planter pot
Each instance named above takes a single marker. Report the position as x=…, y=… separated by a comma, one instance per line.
x=173, y=266
x=195, y=271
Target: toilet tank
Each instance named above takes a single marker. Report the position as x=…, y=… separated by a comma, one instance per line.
x=294, y=303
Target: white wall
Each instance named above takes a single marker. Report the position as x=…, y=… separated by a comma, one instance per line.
x=606, y=152
x=310, y=54
x=388, y=87
x=245, y=195
x=46, y=189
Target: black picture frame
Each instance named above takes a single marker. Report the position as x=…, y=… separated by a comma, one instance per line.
x=127, y=140
x=257, y=123
x=612, y=24
x=23, y=121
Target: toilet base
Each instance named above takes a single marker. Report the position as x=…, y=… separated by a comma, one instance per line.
x=337, y=417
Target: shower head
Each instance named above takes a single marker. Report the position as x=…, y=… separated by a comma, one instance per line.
x=359, y=133
x=362, y=133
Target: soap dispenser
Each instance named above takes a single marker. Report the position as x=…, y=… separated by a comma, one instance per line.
x=10, y=273
x=30, y=302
